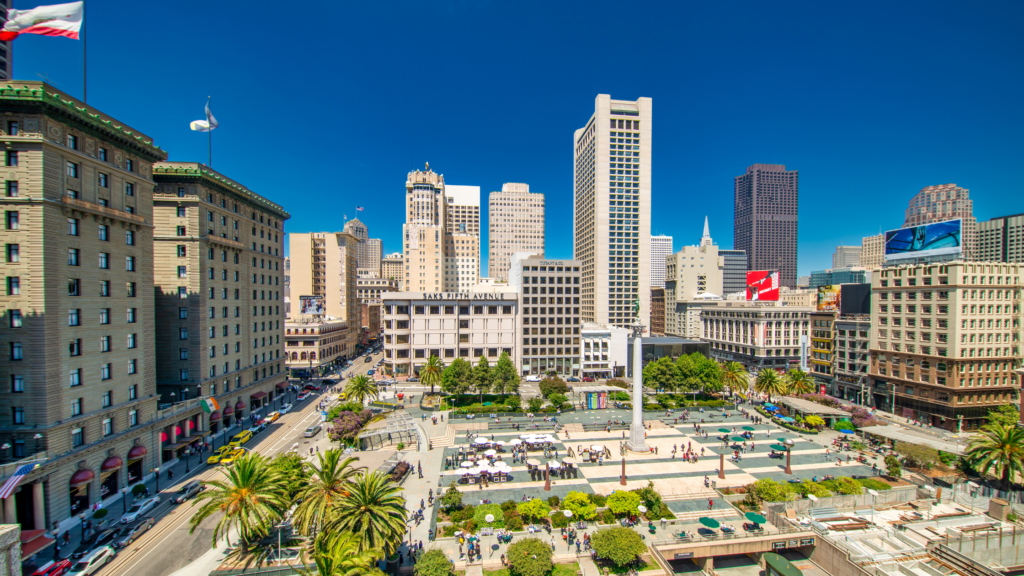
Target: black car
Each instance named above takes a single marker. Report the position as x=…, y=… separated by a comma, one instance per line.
x=187, y=491
x=132, y=532
x=96, y=540
x=328, y=382
x=573, y=379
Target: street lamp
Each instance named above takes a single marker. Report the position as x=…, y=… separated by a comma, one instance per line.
x=156, y=474
x=188, y=452
x=184, y=393
x=172, y=398
x=124, y=500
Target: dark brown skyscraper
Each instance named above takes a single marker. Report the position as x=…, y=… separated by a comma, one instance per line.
x=765, y=219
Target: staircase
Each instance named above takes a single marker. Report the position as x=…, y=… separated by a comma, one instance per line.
x=447, y=440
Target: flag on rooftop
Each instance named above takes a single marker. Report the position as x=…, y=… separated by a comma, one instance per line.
x=359, y=208
x=8, y=488
x=56, y=20
x=205, y=125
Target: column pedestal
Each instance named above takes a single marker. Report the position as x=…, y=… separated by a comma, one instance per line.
x=637, y=430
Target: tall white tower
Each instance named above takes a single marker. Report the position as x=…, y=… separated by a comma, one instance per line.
x=661, y=248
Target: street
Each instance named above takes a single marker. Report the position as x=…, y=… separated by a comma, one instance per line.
x=168, y=547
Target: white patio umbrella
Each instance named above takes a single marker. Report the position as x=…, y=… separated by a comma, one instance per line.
x=500, y=442
x=490, y=453
x=554, y=464
x=459, y=472
x=480, y=440
x=466, y=464
x=515, y=442
x=598, y=448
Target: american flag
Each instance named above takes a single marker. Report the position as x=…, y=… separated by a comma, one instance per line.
x=15, y=479
x=359, y=208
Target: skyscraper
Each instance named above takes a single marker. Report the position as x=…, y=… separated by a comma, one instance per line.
x=872, y=251
x=734, y=276
x=370, y=250
x=944, y=202
x=846, y=256
x=325, y=264
x=426, y=209
x=516, y=223
x=1001, y=239
x=661, y=248
x=612, y=210
x=462, y=244
x=765, y=219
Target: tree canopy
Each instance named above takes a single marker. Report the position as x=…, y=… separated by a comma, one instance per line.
x=619, y=544
x=505, y=377
x=529, y=557
x=457, y=378
x=622, y=503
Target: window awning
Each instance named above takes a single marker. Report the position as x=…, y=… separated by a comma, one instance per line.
x=82, y=477
x=258, y=395
x=112, y=463
x=214, y=416
x=136, y=453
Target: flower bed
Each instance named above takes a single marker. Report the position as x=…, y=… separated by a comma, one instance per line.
x=345, y=427
x=785, y=425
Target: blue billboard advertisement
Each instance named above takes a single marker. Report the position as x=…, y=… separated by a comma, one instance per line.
x=937, y=239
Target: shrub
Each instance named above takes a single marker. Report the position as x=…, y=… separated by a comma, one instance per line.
x=580, y=505
x=623, y=546
x=508, y=505
x=559, y=520
x=515, y=523
x=618, y=383
x=554, y=501
x=892, y=467
x=916, y=456
x=481, y=512
x=814, y=488
x=401, y=469
x=651, y=500
x=843, y=485
x=619, y=396
x=768, y=490
x=457, y=515
x=557, y=399
x=534, y=509
x=433, y=562
x=138, y=489
x=623, y=503
x=598, y=500
x=843, y=425
x=549, y=386
x=452, y=498
x=529, y=557
x=608, y=517
x=815, y=421
x=470, y=525
x=875, y=484
x=100, y=514
x=510, y=514
x=535, y=404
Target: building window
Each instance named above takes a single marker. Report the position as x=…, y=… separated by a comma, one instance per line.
x=17, y=415
x=133, y=418
x=104, y=231
x=129, y=237
x=129, y=165
x=13, y=253
x=75, y=347
x=105, y=316
x=132, y=316
x=104, y=344
x=182, y=313
x=76, y=377
x=182, y=333
x=108, y=426
x=129, y=189
x=16, y=352
x=74, y=287
x=183, y=374
x=133, y=366
x=12, y=128
x=12, y=188
x=133, y=392
x=104, y=260
x=77, y=438
x=107, y=398
x=130, y=289
x=14, y=318
x=73, y=254
x=74, y=317
x=72, y=170
x=182, y=353
x=105, y=372
x=133, y=341
x=12, y=220
x=12, y=157
x=129, y=263
x=73, y=227
x=13, y=285
x=102, y=154
x=72, y=142
x=103, y=180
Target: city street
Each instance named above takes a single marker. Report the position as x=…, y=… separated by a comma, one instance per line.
x=168, y=547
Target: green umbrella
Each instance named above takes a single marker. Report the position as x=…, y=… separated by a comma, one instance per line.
x=709, y=522
x=724, y=430
x=779, y=447
x=748, y=428
x=488, y=403
x=756, y=518
x=738, y=439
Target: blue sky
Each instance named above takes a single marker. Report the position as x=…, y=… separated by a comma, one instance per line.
x=327, y=105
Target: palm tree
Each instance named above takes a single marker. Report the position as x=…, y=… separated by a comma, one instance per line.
x=339, y=554
x=430, y=373
x=735, y=376
x=373, y=511
x=250, y=496
x=768, y=382
x=360, y=387
x=1000, y=447
x=799, y=382
x=327, y=486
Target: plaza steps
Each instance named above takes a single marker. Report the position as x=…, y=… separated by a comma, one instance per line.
x=447, y=440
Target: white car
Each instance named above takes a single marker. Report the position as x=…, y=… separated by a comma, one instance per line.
x=140, y=509
x=534, y=378
x=285, y=409
x=92, y=563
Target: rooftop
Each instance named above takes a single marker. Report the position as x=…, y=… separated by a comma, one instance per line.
x=173, y=171
x=808, y=407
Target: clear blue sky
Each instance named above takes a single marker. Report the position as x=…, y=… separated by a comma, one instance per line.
x=327, y=105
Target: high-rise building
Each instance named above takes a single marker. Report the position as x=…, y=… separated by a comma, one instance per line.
x=657, y=311
x=872, y=251
x=80, y=397
x=765, y=219
x=393, y=267
x=612, y=210
x=462, y=244
x=219, y=300
x=287, y=287
x=661, y=247
x=516, y=224
x=1001, y=239
x=550, y=310
x=424, y=231
x=846, y=257
x=693, y=276
x=734, y=275
x=943, y=341
x=833, y=276
x=370, y=250
x=941, y=203
x=324, y=265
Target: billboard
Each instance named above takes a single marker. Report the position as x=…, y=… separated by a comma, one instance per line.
x=828, y=298
x=937, y=239
x=311, y=305
x=763, y=285
x=855, y=299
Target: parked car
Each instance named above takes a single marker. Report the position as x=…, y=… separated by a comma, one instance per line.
x=302, y=396
x=220, y=453
x=572, y=379
x=588, y=379
x=133, y=532
x=259, y=426
x=311, y=386
x=532, y=378
x=93, y=562
x=187, y=491
x=286, y=409
x=329, y=382
x=98, y=539
x=368, y=359
x=140, y=509
x=312, y=431
x=54, y=568
x=241, y=438
x=273, y=416
x=413, y=379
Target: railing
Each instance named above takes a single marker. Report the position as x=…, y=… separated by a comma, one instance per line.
x=8, y=468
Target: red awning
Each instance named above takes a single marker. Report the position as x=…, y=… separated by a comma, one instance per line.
x=214, y=416
x=137, y=452
x=33, y=541
x=282, y=384
x=82, y=477
x=257, y=395
x=112, y=463
x=240, y=406
x=191, y=424
x=177, y=430
x=228, y=410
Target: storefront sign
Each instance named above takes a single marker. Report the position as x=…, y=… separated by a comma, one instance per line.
x=778, y=545
x=807, y=542
x=683, y=555
x=463, y=296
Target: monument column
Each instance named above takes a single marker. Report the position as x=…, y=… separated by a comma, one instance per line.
x=637, y=430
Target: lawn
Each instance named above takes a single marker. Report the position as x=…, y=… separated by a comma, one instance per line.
x=559, y=570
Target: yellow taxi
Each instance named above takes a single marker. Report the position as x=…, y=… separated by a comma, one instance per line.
x=273, y=416
x=229, y=458
x=220, y=453
x=240, y=438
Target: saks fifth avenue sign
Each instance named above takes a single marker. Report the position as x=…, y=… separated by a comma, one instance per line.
x=463, y=296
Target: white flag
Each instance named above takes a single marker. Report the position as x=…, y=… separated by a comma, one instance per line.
x=205, y=125
x=56, y=20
